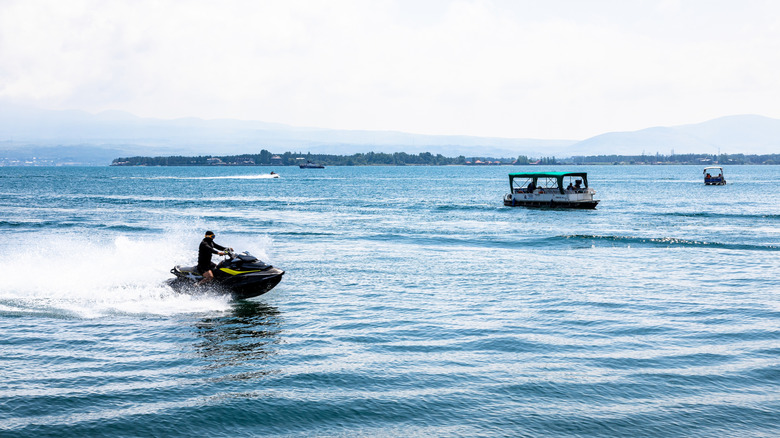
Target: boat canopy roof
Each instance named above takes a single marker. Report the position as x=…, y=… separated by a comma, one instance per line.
x=714, y=167
x=547, y=174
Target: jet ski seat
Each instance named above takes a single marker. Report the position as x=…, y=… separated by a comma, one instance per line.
x=188, y=269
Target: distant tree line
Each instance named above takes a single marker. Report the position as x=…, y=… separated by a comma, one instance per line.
x=266, y=158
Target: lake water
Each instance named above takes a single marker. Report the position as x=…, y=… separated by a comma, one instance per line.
x=414, y=304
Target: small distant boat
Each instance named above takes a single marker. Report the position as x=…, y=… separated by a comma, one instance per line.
x=717, y=180
x=310, y=165
x=274, y=175
x=546, y=190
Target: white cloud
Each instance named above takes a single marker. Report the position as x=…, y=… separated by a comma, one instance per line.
x=558, y=69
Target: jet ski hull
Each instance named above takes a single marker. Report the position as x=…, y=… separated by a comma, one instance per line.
x=239, y=289
x=248, y=285
x=242, y=277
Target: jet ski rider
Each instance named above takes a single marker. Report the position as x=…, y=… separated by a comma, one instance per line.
x=205, y=250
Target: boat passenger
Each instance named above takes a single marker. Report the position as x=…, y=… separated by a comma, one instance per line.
x=571, y=187
x=531, y=187
x=577, y=185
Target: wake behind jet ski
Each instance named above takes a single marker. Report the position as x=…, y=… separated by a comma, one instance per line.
x=241, y=275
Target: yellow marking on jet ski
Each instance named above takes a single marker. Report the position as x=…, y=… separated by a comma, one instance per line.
x=232, y=272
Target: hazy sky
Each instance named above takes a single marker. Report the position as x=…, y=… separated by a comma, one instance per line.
x=526, y=69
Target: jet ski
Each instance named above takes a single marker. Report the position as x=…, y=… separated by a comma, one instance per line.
x=240, y=275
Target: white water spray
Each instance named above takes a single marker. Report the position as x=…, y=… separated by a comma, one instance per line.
x=67, y=275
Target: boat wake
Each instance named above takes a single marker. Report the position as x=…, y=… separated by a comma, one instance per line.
x=221, y=177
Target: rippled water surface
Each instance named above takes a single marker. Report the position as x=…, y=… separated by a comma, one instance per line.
x=414, y=304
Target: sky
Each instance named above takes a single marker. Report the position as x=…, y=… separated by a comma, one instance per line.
x=553, y=69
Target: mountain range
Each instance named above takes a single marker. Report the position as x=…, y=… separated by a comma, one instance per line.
x=741, y=134
x=85, y=138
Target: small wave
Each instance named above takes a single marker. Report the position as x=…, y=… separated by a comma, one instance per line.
x=64, y=225
x=305, y=233
x=666, y=242
x=37, y=224
x=467, y=207
x=720, y=215
x=560, y=242
x=127, y=228
x=444, y=241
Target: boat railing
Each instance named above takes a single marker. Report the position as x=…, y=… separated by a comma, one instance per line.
x=581, y=192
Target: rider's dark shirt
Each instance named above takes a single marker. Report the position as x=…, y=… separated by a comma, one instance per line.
x=205, y=250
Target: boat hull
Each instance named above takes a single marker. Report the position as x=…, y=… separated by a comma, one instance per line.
x=577, y=200
x=551, y=204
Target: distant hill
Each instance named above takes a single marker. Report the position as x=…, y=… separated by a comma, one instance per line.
x=748, y=134
x=81, y=137
x=23, y=127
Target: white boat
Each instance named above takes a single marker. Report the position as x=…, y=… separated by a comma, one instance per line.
x=711, y=179
x=549, y=190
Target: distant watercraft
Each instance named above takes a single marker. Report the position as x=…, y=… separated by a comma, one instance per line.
x=718, y=180
x=546, y=189
x=310, y=165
